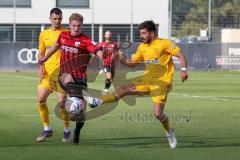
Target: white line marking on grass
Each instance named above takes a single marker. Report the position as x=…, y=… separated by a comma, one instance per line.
x=25, y=77
x=25, y=97
x=32, y=115
x=212, y=78
x=205, y=97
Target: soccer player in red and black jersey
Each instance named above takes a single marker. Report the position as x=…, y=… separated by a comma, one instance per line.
x=75, y=55
x=110, y=48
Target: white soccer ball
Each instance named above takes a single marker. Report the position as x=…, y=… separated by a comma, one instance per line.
x=76, y=105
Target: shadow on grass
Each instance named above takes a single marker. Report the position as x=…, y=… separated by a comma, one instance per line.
x=151, y=142
x=204, y=142
x=141, y=142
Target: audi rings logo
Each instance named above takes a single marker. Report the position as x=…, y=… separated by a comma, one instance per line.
x=26, y=55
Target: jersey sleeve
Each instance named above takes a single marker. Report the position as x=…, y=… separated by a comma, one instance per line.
x=138, y=56
x=172, y=48
x=41, y=47
x=93, y=48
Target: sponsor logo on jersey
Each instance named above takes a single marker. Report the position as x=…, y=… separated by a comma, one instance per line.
x=69, y=49
x=152, y=61
x=77, y=44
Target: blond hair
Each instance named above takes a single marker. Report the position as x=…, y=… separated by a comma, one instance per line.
x=76, y=17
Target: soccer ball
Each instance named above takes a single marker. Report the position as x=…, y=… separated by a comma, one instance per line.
x=75, y=106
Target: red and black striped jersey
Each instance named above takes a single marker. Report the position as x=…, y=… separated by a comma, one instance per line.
x=110, y=48
x=75, y=53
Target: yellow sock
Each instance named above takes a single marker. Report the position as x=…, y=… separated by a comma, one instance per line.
x=109, y=98
x=166, y=126
x=44, y=114
x=65, y=117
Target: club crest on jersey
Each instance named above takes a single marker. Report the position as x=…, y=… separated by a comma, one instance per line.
x=151, y=61
x=62, y=40
x=77, y=44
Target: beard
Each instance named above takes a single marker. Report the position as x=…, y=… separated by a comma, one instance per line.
x=109, y=39
x=145, y=40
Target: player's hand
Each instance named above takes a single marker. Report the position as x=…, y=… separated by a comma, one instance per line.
x=184, y=75
x=119, y=55
x=41, y=72
x=42, y=60
x=100, y=54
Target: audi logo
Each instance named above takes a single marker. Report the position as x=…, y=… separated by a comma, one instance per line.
x=26, y=55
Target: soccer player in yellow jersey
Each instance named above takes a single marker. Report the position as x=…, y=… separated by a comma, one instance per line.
x=49, y=77
x=157, y=55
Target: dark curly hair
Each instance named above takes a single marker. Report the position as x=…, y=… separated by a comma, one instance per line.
x=150, y=26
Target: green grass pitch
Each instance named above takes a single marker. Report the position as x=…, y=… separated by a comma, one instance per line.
x=205, y=111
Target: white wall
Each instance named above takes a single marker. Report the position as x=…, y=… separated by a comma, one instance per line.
x=100, y=12
x=230, y=35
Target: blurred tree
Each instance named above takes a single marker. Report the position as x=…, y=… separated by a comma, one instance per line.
x=189, y=16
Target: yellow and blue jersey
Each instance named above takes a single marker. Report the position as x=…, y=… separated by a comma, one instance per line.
x=46, y=40
x=157, y=57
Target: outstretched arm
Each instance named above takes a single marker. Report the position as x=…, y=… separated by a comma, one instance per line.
x=51, y=51
x=183, y=63
x=92, y=59
x=124, y=60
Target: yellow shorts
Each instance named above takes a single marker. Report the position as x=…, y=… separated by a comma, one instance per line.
x=50, y=83
x=158, y=89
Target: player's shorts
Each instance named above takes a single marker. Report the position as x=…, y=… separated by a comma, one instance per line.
x=51, y=84
x=74, y=89
x=108, y=68
x=158, y=89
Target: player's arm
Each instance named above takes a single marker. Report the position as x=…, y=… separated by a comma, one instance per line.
x=126, y=61
x=41, y=71
x=135, y=60
x=92, y=58
x=175, y=50
x=183, y=63
x=96, y=49
x=42, y=50
x=50, y=52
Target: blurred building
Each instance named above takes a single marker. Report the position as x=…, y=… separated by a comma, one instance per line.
x=24, y=19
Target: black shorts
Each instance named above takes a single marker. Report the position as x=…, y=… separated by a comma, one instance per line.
x=80, y=81
x=107, y=68
x=78, y=85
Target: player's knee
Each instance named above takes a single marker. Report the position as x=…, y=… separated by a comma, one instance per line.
x=42, y=103
x=161, y=117
x=66, y=78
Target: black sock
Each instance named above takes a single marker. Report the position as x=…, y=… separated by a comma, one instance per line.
x=77, y=130
x=108, y=83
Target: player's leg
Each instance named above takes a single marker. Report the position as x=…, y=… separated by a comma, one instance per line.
x=61, y=99
x=74, y=87
x=162, y=117
x=79, y=125
x=128, y=89
x=71, y=85
x=159, y=97
x=108, y=81
x=43, y=94
x=82, y=84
